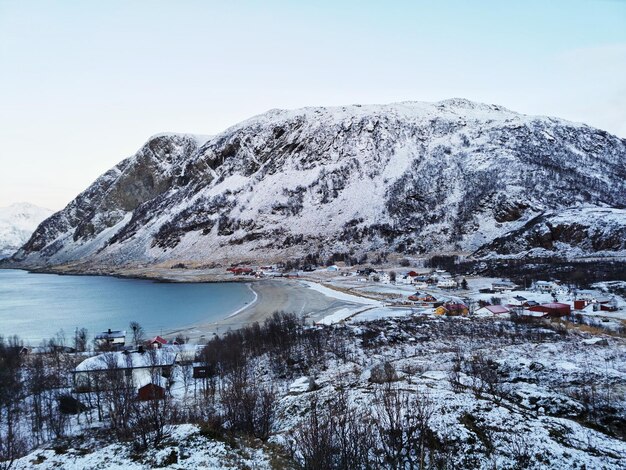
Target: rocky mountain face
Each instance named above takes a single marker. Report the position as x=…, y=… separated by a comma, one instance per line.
x=575, y=233
x=407, y=178
x=17, y=224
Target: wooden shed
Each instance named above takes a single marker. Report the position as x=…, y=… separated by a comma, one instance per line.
x=151, y=392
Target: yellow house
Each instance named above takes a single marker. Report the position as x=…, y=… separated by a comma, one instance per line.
x=452, y=310
x=441, y=310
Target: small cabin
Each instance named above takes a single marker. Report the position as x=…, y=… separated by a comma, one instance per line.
x=200, y=371
x=493, y=310
x=151, y=392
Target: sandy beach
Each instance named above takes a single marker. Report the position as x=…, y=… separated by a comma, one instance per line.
x=272, y=295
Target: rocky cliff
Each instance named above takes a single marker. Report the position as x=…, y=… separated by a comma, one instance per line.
x=407, y=178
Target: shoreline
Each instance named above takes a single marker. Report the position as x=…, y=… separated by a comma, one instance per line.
x=248, y=305
x=305, y=297
x=176, y=276
x=272, y=295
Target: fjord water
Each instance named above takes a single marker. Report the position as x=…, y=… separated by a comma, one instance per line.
x=36, y=306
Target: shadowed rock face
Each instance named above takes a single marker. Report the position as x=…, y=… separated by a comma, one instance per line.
x=408, y=178
x=573, y=232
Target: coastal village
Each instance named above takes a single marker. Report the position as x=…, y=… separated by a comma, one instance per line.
x=437, y=292
x=503, y=373
x=376, y=295
x=487, y=353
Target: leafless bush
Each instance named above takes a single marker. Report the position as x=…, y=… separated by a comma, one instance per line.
x=402, y=427
x=383, y=373
x=520, y=450
x=485, y=377
x=150, y=421
x=334, y=435
x=248, y=407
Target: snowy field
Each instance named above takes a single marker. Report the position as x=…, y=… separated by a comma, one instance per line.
x=495, y=395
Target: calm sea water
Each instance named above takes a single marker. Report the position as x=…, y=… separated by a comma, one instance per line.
x=36, y=306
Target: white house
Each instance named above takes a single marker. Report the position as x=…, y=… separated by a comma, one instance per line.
x=116, y=339
x=503, y=285
x=135, y=369
x=545, y=287
x=560, y=290
x=446, y=283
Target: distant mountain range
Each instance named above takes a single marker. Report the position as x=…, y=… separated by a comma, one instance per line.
x=396, y=180
x=17, y=224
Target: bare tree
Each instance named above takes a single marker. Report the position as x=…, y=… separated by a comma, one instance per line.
x=80, y=339
x=402, y=426
x=313, y=439
x=12, y=443
x=138, y=332
x=334, y=435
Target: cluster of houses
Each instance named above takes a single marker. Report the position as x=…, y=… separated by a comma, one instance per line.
x=584, y=302
x=115, y=340
x=146, y=368
x=264, y=271
x=438, y=278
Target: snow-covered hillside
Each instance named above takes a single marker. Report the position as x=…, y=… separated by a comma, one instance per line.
x=406, y=178
x=17, y=224
x=574, y=233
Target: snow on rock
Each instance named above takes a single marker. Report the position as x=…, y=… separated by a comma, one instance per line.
x=186, y=449
x=17, y=224
x=302, y=385
x=409, y=178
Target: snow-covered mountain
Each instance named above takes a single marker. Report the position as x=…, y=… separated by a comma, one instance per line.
x=17, y=224
x=573, y=233
x=405, y=178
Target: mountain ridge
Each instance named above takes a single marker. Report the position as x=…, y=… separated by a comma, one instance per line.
x=407, y=178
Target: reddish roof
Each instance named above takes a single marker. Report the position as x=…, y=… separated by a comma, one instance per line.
x=158, y=339
x=455, y=306
x=495, y=309
x=552, y=308
x=555, y=305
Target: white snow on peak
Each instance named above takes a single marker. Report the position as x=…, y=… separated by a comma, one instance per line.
x=200, y=139
x=17, y=223
x=454, y=109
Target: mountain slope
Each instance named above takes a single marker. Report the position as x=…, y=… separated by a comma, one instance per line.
x=17, y=223
x=573, y=233
x=406, y=178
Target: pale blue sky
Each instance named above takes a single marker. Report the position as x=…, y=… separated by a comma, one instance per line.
x=84, y=83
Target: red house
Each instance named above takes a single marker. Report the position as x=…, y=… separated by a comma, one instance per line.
x=580, y=304
x=157, y=342
x=151, y=392
x=553, y=309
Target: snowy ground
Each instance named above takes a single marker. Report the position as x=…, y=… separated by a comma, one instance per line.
x=536, y=415
x=186, y=448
